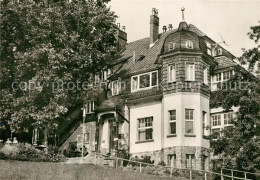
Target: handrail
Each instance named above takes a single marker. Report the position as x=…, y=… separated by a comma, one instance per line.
x=241, y=171
x=196, y=170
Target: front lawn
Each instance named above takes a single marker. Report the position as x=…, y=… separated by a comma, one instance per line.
x=18, y=170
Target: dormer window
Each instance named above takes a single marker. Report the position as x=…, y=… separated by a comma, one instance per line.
x=209, y=48
x=189, y=44
x=171, y=46
x=219, y=52
x=144, y=81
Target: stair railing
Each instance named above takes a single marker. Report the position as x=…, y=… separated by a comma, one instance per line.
x=205, y=173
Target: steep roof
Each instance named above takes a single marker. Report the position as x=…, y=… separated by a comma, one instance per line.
x=142, y=49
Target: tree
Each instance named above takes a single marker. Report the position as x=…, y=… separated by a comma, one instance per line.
x=239, y=145
x=252, y=56
x=46, y=55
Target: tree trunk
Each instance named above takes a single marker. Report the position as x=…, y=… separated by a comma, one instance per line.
x=46, y=139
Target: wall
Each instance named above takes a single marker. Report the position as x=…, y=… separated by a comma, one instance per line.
x=141, y=111
x=77, y=136
x=180, y=102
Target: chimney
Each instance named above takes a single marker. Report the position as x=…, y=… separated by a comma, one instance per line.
x=121, y=38
x=170, y=27
x=154, y=26
x=164, y=28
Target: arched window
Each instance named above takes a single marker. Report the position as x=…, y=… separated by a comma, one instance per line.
x=189, y=44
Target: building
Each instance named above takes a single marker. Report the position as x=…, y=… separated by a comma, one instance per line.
x=154, y=99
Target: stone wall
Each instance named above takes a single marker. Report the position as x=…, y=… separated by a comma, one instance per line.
x=200, y=153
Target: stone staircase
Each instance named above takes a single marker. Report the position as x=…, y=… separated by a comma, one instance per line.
x=92, y=158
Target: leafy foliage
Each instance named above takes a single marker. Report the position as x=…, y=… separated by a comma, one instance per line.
x=239, y=145
x=42, y=47
x=144, y=159
x=252, y=56
x=26, y=152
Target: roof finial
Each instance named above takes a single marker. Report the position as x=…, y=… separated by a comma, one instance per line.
x=183, y=9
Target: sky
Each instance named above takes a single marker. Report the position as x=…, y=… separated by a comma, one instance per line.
x=229, y=18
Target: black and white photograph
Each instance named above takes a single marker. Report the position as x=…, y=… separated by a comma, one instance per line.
x=130, y=90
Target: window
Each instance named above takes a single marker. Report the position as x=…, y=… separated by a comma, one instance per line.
x=190, y=161
x=86, y=140
x=135, y=83
x=189, y=120
x=172, y=160
x=218, y=77
x=218, y=80
x=204, y=121
x=205, y=75
x=216, y=133
x=171, y=46
x=227, y=75
x=190, y=71
x=216, y=120
x=209, y=48
x=97, y=78
x=219, y=52
x=109, y=72
x=144, y=81
x=172, y=121
x=89, y=107
x=172, y=73
x=145, y=129
x=228, y=118
x=189, y=44
x=115, y=87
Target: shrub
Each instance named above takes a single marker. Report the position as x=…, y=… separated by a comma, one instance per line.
x=162, y=163
x=2, y=155
x=144, y=159
x=26, y=152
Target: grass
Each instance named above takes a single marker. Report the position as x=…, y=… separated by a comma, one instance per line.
x=18, y=170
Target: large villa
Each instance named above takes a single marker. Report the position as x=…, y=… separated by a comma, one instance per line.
x=155, y=98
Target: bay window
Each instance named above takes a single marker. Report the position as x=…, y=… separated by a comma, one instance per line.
x=216, y=120
x=228, y=118
x=144, y=81
x=189, y=121
x=145, y=129
x=227, y=75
